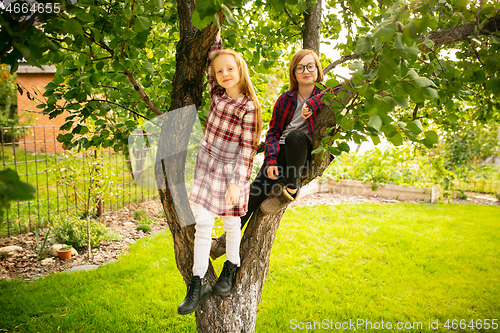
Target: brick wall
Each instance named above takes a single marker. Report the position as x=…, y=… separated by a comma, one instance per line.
x=43, y=137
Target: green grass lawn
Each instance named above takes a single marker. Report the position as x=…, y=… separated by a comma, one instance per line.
x=407, y=263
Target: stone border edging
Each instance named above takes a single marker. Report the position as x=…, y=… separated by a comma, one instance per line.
x=356, y=187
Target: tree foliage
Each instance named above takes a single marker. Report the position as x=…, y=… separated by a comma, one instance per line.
x=116, y=62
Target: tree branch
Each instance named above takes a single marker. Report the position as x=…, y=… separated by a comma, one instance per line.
x=141, y=92
x=415, y=112
x=340, y=61
x=440, y=38
x=463, y=32
x=110, y=102
x=275, y=31
x=477, y=17
x=290, y=16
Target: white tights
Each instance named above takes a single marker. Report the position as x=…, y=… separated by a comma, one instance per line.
x=203, y=240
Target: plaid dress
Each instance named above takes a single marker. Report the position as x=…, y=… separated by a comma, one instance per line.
x=226, y=152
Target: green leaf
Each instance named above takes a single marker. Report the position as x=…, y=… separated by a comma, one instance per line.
x=94, y=79
x=398, y=42
x=424, y=82
x=452, y=118
x=415, y=127
x=229, y=16
x=430, y=92
x=85, y=17
x=79, y=129
x=12, y=188
x=385, y=32
x=431, y=137
x=375, y=122
x=412, y=52
x=142, y=23
x=217, y=21
x=363, y=45
x=347, y=122
x=128, y=34
x=73, y=27
x=278, y=5
x=375, y=139
x=27, y=54
x=356, y=66
x=493, y=84
x=421, y=24
x=396, y=139
x=344, y=146
x=428, y=43
x=479, y=77
x=127, y=12
x=131, y=124
x=157, y=3
x=334, y=151
x=318, y=150
x=358, y=138
x=198, y=22
x=416, y=95
x=409, y=33
x=205, y=8
x=331, y=83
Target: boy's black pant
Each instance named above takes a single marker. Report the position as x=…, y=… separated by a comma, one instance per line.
x=293, y=157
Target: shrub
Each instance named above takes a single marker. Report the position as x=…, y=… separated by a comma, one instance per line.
x=70, y=229
x=139, y=214
x=144, y=227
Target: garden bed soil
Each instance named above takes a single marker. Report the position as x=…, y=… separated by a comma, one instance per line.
x=28, y=267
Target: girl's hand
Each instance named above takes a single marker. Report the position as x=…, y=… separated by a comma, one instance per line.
x=232, y=194
x=306, y=112
x=218, y=35
x=272, y=172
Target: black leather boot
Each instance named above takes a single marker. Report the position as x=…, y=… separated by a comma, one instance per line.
x=226, y=279
x=198, y=290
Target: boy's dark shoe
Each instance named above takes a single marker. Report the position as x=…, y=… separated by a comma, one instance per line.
x=218, y=247
x=198, y=290
x=275, y=202
x=226, y=279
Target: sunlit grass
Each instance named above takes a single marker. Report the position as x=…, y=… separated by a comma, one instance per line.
x=404, y=262
x=401, y=262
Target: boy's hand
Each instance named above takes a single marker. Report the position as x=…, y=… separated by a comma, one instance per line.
x=272, y=172
x=306, y=112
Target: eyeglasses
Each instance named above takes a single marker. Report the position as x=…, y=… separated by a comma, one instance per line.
x=311, y=67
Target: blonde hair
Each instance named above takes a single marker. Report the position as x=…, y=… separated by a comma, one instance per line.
x=297, y=57
x=246, y=88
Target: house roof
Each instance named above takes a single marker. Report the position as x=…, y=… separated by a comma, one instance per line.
x=28, y=69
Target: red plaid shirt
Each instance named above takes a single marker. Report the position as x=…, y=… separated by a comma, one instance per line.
x=284, y=108
x=227, y=151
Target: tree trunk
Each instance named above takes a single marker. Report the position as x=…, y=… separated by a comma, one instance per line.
x=238, y=311
x=311, y=35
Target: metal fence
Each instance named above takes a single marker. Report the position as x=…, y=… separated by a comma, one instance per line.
x=34, y=153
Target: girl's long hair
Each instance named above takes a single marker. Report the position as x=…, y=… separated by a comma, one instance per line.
x=246, y=88
x=297, y=57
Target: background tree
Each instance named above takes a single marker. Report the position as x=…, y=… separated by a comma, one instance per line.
x=116, y=68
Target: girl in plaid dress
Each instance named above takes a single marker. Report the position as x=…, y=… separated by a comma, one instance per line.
x=223, y=168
